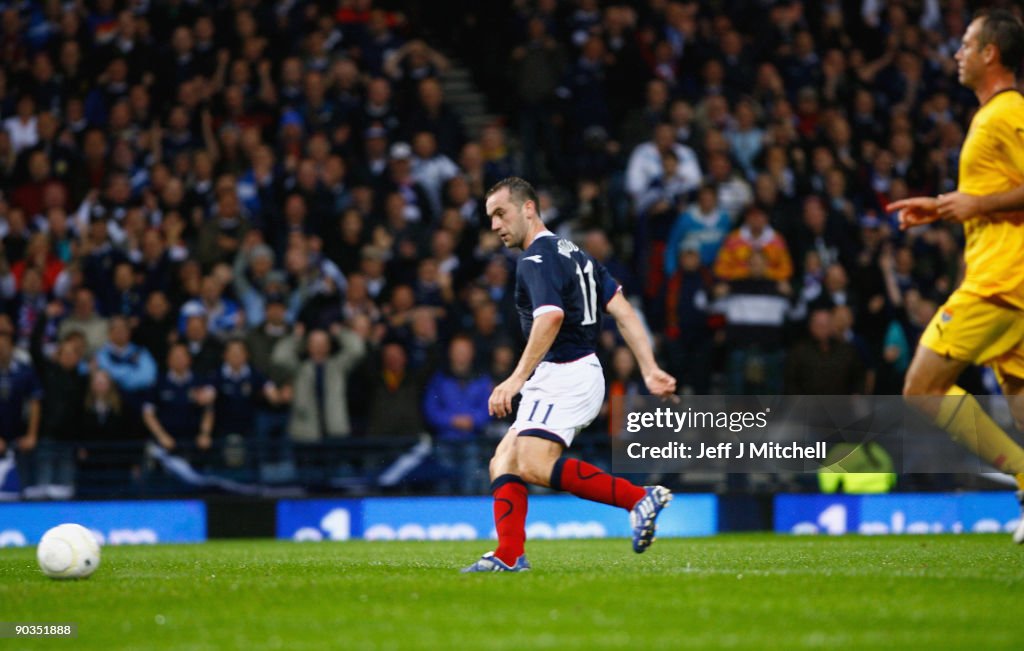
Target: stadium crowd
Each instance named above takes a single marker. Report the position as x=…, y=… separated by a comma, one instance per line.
x=235, y=223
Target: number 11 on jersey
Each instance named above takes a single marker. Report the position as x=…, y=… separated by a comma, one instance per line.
x=588, y=286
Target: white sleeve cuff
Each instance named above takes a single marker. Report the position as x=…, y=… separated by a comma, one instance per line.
x=544, y=309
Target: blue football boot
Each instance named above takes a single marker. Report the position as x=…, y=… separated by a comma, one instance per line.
x=491, y=563
x=644, y=514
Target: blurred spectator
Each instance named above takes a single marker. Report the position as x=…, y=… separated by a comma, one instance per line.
x=130, y=366
x=205, y=349
x=319, y=410
x=105, y=424
x=455, y=407
x=687, y=332
x=63, y=399
x=271, y=416
x=157, y=328
x=179, y=412
x=624, y=384
x=753, y=236
x=433, y=114
x=431, y=169
x=734, y=193
x=397, y=394
x=703, y=225
x=823, y=364
x=755, y=308
x=223, y=316
x=20, y=394
x=537, y=66
x=646, y=163
x=84, y=319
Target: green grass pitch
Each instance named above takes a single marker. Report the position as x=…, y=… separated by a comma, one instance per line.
x=727, y=592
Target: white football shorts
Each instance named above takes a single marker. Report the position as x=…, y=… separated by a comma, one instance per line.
x=559, y=400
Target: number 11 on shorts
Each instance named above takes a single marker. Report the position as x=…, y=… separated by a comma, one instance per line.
x=543, y=421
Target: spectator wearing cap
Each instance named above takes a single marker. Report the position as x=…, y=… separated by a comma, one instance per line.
x=400, y=180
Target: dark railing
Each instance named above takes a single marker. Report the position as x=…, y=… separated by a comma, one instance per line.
x=353, y=465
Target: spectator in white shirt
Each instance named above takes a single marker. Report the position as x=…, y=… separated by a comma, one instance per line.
x=22, y=127
x=430, y=168
x=645, y=163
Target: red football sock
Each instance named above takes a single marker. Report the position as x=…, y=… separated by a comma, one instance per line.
x=591, y=483
x=510, y=494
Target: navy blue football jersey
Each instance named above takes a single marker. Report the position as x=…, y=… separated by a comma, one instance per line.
x=555, y=274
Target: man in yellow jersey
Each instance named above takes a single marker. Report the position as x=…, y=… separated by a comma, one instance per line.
x=983, y=321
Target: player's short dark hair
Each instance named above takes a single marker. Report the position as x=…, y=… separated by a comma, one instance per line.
x=519, y=190
x=1004, y=30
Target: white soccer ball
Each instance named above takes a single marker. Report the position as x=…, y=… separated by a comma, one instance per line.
x=68, y=551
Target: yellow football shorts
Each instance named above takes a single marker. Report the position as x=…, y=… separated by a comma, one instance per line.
x=972, y=329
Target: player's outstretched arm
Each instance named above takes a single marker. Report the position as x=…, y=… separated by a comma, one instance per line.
x=958, y=206
x=658, y=381
x=915, y=211
x=542, y=335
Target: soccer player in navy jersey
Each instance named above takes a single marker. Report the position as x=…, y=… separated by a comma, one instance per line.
x=561, y=295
